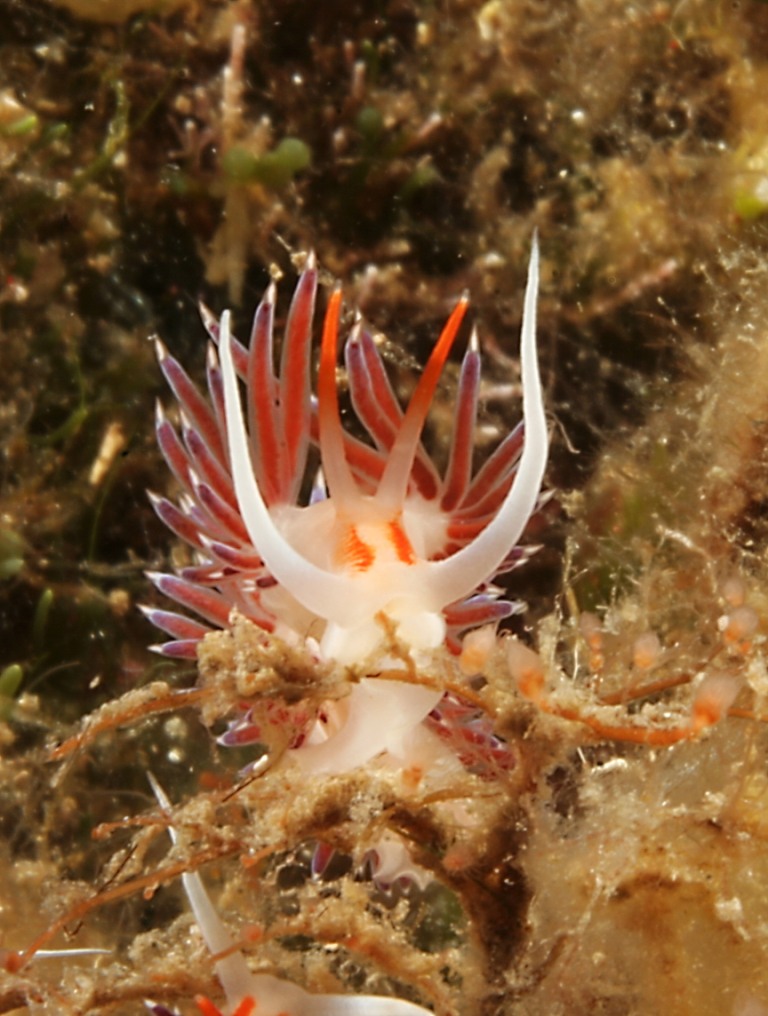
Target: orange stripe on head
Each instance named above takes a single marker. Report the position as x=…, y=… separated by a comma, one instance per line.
x=355, y=552
x=206, y=1006
x=246, y=1007
x=401, y=543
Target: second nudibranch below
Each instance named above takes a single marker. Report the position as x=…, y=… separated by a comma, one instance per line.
x=263, y=994
x=384, y=546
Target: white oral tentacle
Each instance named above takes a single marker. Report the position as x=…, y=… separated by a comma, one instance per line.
x=232, y=971
x=457, y=576
x=318, y=591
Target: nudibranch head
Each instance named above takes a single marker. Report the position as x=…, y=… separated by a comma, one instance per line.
x=384, y=546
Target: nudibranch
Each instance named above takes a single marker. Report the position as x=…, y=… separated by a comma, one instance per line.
x=263, y=994
x=384, y=547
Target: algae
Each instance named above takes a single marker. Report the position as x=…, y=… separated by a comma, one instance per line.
x=138, y=173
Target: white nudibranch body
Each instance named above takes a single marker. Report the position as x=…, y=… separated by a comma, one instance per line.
x=387, y=546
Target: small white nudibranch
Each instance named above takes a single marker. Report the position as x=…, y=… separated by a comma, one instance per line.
x=262, y=994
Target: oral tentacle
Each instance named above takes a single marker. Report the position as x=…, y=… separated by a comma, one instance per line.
x=457, y=576
x=233, y=972
x=318, y=591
